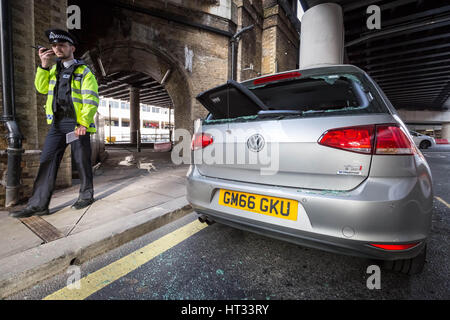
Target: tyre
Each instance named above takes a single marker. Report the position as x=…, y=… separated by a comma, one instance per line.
x=408, y=266
x=425, y=144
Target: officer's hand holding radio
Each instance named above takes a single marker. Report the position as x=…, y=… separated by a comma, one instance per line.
x=46, y=55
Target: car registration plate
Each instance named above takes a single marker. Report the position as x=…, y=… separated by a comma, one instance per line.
x=270, y=206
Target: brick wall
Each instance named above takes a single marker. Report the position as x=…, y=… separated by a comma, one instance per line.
x=269, y=48
x=198, y=59
x=250, y=45
x=29, y=166
x=30, y=18
x=24, y=66
x=151, y=45
x=280, y=40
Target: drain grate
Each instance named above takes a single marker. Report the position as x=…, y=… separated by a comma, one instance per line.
x=42, y=228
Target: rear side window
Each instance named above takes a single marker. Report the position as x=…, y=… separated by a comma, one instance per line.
x=319, y=96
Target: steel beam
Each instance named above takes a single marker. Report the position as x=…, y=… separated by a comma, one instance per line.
x=416, y=76
x=395, y=61
x=158, y=100
x=152, y=89
x=386, y=83
x=398, y=44
x=359, y=4
x=428, y=91
x=432, y=80
x=399, y=52
x=402, y=19
x=161, y=94
x=431, y=86
x=421, y=64
x=416, y=99
x=419, y=95
x=409, y=28
x=122, y=88
x=414, y=93
x=444, y=95
x=406, y=88
x=152, y=102
x=415, y=71
x=410, y=102
x=411, y=99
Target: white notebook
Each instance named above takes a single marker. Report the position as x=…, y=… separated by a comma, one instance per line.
x=71, y=136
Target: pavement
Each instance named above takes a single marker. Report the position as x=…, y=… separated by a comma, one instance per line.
x=135, y=193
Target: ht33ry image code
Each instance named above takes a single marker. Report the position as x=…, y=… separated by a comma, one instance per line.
x=233, y=309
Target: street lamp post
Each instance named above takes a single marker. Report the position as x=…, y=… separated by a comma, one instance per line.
x=234, y=45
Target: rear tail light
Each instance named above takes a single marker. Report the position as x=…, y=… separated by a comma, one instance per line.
x=201, y=140
x=383, y=139
x=356, y=139
x=392, y=140
x=394, y=247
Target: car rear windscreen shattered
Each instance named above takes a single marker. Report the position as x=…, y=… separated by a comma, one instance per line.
x=315, y=96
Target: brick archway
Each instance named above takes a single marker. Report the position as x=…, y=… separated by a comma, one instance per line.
x=155, y=62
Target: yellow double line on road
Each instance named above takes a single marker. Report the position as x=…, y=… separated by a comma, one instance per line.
x=114, y=271
x=443, y=201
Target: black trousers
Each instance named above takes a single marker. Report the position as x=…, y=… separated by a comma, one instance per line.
x=52, y=154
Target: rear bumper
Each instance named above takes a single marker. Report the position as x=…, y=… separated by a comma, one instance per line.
x=380, y=210
x=316, y=241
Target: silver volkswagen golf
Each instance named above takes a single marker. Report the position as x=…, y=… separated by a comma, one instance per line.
x=318, y=157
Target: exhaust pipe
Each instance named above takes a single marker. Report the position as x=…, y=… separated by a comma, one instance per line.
x=206, y=219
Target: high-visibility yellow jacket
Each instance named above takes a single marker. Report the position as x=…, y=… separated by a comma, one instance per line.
x=84, y=94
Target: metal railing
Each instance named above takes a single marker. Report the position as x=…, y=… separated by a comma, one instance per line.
x=145, y=138
x=155, y=137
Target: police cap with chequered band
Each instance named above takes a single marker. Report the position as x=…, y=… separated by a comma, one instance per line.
x=58, y=35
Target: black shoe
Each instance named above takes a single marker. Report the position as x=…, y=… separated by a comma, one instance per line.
x=42, y=212
x=80, y=204
x=28, y=212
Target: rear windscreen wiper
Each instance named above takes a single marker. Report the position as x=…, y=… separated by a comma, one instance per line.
x=331, y=109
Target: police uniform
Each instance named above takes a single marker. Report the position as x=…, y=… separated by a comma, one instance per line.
x=72, y=100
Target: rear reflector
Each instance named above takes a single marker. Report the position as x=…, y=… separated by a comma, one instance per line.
x=356, y=139
x=394, y=247
x=277, y=77
x=201, y=140
x=392, y=140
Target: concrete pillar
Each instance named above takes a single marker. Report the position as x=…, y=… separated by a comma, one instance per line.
x=445, y=132
x=322, y=36
x=135, y=115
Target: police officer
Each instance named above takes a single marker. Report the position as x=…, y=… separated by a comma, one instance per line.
x=72, y=101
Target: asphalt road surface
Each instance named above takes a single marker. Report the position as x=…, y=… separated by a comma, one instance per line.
x=219, y=262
